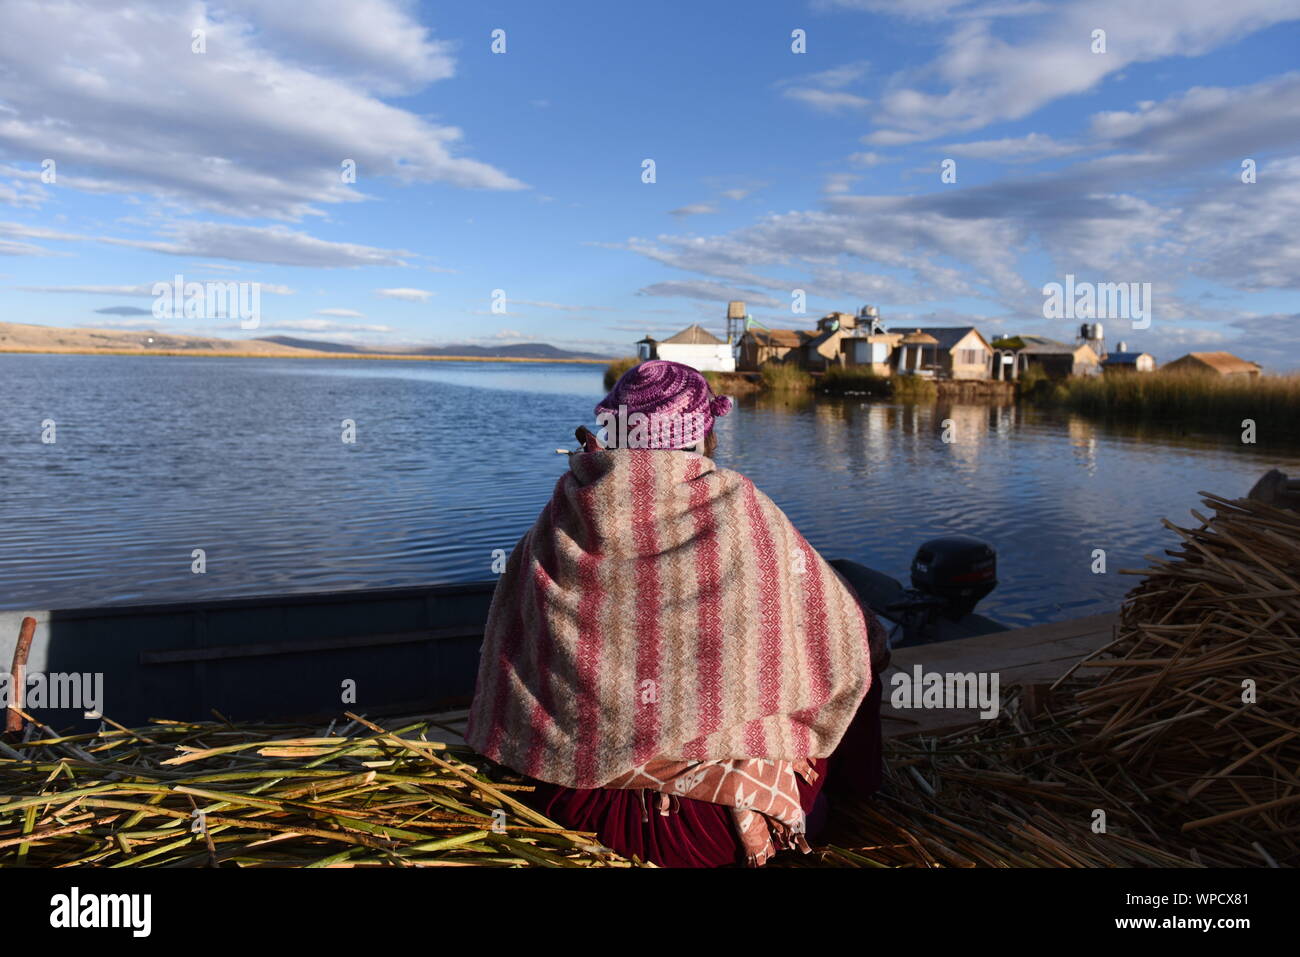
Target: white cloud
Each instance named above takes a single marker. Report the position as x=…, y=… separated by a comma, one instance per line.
x=840, y=182
x=981, y=78
x=376, y=42
x=145, y=290
x=406, y=295
x=1017, y=149
x=834, y=78
x=10, y=248
x=264, y=244
x=928, y=10
x=694, y=209
x=868, y=160
x=341, y=313
x=824, y=90
x=827, y=101
x=323, y=325
x=563, y=307
x=256, y=126
x=706, y=291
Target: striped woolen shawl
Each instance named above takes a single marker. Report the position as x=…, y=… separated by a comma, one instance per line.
x=662, y=607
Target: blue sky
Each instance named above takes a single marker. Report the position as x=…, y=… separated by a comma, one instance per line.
x=775, y=170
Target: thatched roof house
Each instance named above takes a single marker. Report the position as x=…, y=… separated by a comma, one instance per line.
x=1214, y=363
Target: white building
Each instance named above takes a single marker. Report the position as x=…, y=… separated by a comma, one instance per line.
x=693, y=346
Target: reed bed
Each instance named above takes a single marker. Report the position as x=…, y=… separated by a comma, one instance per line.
x=785, y=377
x=1157, y=730
x=268, y=796
x=614, y=371
x=854, y=380
x=1210, y=401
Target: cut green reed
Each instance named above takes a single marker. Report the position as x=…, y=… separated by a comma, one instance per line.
x=204, y=794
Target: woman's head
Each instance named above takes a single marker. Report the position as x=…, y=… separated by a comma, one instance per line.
x=661, y=405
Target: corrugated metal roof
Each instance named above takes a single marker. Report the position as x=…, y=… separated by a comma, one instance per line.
x=1041, y=345
x=948, y=336
x=1122, y=358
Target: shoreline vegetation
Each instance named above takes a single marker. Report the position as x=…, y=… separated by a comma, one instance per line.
x=1210, y=401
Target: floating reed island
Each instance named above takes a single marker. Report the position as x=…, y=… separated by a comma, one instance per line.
x=1184, y=732
x=1176, y=745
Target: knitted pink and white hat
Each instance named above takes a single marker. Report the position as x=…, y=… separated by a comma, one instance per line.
x=660, y=405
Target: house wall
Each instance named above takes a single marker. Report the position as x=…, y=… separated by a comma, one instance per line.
x=866, y=356
x=824, y=353
x=705, y=358
x=1054, y=366
x=753, y=354
x=970, y=358
x=1143, y=364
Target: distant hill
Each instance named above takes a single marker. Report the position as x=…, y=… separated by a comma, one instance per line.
x=25, y=337
x=313, y=345
x=521, y=350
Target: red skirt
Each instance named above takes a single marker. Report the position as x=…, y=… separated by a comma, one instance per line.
x=700, y=834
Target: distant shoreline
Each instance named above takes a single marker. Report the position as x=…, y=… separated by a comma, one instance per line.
x=301, y=354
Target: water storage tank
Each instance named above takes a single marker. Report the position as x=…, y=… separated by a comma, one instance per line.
x=1097, y=332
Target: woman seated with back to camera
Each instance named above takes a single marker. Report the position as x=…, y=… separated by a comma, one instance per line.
x=667, y=658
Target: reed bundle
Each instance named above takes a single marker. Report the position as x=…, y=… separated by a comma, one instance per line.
x=185, y=794
x=1184, y=731
x=1196, y=715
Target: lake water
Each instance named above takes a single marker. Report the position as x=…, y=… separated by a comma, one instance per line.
x=157, y=456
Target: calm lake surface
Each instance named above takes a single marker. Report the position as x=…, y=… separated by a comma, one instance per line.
x=158, y=456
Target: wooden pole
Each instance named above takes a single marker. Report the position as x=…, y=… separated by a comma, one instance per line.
x=13, y=717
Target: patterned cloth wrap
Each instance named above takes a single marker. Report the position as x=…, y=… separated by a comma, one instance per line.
x=762, y=796
x=663, y=609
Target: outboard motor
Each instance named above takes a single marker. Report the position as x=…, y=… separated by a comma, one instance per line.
x=958, y=569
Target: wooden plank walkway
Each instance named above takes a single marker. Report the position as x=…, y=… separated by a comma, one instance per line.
x=1039, y=653
x=1023, y=655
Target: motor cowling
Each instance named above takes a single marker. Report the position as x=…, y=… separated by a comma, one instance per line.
x=958, y=569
